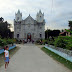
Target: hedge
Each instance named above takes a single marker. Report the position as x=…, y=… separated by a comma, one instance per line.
x=4, y=42
x=63, y=42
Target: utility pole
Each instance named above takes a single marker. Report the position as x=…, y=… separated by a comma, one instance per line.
x=47, y=32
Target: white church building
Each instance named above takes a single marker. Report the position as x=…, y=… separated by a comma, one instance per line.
x=29, y=28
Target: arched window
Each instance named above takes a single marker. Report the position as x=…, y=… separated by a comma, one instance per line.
x=40, y=27
x=17, y=18
x=40, y=16
x=17, y=35
x=40, y=35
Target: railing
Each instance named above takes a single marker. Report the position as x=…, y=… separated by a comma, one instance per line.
x=2, y=50
x=64, y=55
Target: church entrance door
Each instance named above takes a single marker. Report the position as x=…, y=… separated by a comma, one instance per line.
x=29, y=37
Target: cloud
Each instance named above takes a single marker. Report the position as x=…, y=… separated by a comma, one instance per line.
x=56, y=15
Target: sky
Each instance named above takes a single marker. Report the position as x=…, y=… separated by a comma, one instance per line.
x=57, y=13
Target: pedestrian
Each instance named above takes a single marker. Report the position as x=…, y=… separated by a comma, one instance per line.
x=6, y=56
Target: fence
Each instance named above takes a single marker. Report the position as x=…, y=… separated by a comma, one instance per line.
x=60, y=53
x=2, y=50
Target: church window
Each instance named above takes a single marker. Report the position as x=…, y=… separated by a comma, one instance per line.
x=17, y=18
x=17, y=35
x=18, y=26
x=40, y=35
x=40, y=27
x=40, y=18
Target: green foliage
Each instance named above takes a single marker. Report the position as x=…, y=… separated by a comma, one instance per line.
x=14, y=40
x=69, y=45
x=70, y=23
x=45, y=41
x=68, y=30
x=51, y=42
x=52, y=33
x=2, y=42
x=9, y=41
x=37, y=41
x=59, y=42
x=42, y=41
x=5, y=31
x=64, y=42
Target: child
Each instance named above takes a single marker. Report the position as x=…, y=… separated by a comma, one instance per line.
x=7, y=57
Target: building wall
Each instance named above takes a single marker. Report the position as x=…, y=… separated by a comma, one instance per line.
x=29, y=25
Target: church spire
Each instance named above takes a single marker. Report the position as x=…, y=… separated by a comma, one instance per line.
x=18, y=11
x=40, y=16
x=18, y=16
x=40, y=11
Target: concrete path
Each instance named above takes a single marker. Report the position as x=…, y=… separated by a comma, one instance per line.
x=30, y=58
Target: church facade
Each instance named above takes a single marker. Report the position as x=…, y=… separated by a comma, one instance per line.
x=29, y=28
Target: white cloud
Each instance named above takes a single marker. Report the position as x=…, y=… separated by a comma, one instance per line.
x=56, y=17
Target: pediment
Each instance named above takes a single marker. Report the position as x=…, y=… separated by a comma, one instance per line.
x=29, y=20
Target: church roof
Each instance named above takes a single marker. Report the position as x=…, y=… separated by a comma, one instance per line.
x=29, y=17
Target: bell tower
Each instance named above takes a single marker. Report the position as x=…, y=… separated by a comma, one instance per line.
x=40, y=17
x=18, y=16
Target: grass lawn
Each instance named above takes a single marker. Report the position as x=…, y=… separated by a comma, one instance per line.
x=60, y=59
x=12, y=52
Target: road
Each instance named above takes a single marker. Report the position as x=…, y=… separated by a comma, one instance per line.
x=30, y=58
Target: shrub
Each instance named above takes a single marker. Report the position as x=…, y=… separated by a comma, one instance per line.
x=37, y=41
x=60, y=43
x=69, y=45
x=9, y=41
x=63, y=42
x=45, y=41
x=3, y=42
x=51, y=42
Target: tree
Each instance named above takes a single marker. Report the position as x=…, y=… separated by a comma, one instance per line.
x=56, y=33
x=4, y=29
x=1, y=19
x=52, y=33
x=70, y=25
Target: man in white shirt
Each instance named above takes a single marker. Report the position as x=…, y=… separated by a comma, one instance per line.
x=7, y=57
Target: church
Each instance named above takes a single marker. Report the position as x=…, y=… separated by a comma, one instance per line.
x=29, y=28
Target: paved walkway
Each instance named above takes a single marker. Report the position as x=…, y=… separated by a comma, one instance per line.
x=29, y=58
